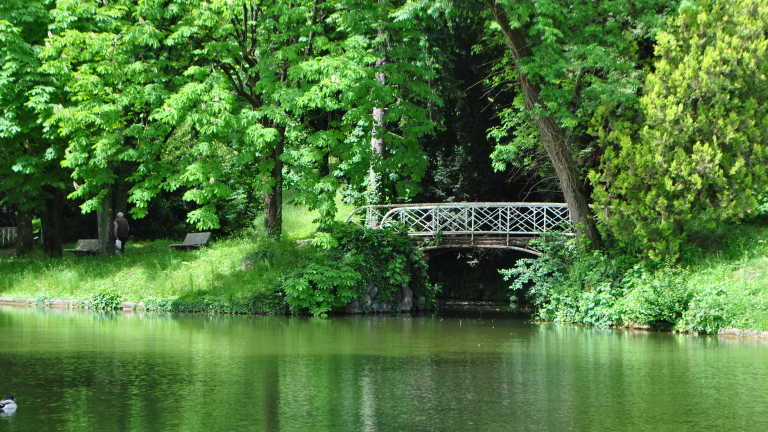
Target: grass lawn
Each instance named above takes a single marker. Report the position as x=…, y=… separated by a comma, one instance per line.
x=298, y=219
x=733, y=276
x=152, y=270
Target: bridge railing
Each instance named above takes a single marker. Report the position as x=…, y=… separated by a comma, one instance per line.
x=8, y=236
x=466, y=218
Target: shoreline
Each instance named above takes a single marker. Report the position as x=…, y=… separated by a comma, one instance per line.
x=139, y=306
x=71, y=304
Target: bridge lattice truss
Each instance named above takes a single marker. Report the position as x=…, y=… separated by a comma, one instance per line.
x=468, y=219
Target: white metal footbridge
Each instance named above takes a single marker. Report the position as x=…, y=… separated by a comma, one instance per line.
x=468, y=225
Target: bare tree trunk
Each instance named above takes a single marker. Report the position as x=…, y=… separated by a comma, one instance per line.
x=51, y=222
x=24, y=232
x=105, y=216
x=273, y=201
x=551, y=134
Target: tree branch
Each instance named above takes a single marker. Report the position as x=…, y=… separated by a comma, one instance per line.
x=239, y=87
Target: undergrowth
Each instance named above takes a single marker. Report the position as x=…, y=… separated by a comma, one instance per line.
x=719, y=282
x=344, y=265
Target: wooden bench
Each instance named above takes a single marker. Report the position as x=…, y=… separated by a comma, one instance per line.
x=193, y=241
x=85, y=247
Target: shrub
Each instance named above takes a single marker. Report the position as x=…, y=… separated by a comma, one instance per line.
x=341, y=266
x=567, y=283
x=319, y=288
x=658, y=299
x=707, y=312
x=386, y=258
x=106, y=299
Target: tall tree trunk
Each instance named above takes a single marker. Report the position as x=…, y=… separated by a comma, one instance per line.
x=325, y=166
x=378, y=143
x=24, y=232
x=51, y=221
x=122, y=188
x=550, y=132
x=273, y=201
x=105, y=218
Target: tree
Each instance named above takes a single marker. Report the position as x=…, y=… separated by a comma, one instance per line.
x=241, y=91
x=186, y=92
x=108, y=58
x=550, y=132
x=401, y=93
x=701, y=156
x=278, y=67
x=30, y=173
x=573, y=61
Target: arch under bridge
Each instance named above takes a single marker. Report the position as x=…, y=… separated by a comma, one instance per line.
x=468, y=225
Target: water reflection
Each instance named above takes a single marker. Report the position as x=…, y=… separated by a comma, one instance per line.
x=480, y=370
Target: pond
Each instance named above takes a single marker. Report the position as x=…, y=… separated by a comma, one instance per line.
x=481, y=370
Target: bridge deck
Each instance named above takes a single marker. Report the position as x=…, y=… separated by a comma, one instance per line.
x=472, y=242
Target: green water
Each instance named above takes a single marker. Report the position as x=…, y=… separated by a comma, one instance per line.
x=80, y=371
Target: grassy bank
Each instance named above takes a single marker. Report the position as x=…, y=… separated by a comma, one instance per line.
x=731, y=284
x=149, y=272
x=720, y=281
x=237, y=275
x=219, y=278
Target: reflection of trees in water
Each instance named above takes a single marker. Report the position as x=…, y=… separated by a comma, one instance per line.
x=85, y=371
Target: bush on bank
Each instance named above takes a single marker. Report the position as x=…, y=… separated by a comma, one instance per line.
x=347, y=264
x=721, y=281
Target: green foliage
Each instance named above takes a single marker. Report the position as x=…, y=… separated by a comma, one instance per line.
x=385, y=258
x=342, y=265
x=762, y=204
x=105, y=299
x=723, y=285
x=29, y=157
x=567, y=283
x=587, y=60
x=708, y=310
x=701, y=157
x=220, y=305
x=657, y=298
x=519, y=144
x=108, y=60
x=318, y=288
x=215, y=96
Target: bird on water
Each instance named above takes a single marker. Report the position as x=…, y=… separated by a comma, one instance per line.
x=8, y=404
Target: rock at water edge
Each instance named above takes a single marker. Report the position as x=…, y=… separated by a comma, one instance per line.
x=406, y=303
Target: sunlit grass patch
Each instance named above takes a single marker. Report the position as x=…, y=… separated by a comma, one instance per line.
x=218, y=278
x=147, y=269
x=298, y=220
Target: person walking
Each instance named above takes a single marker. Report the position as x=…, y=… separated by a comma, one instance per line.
x=121, y=231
